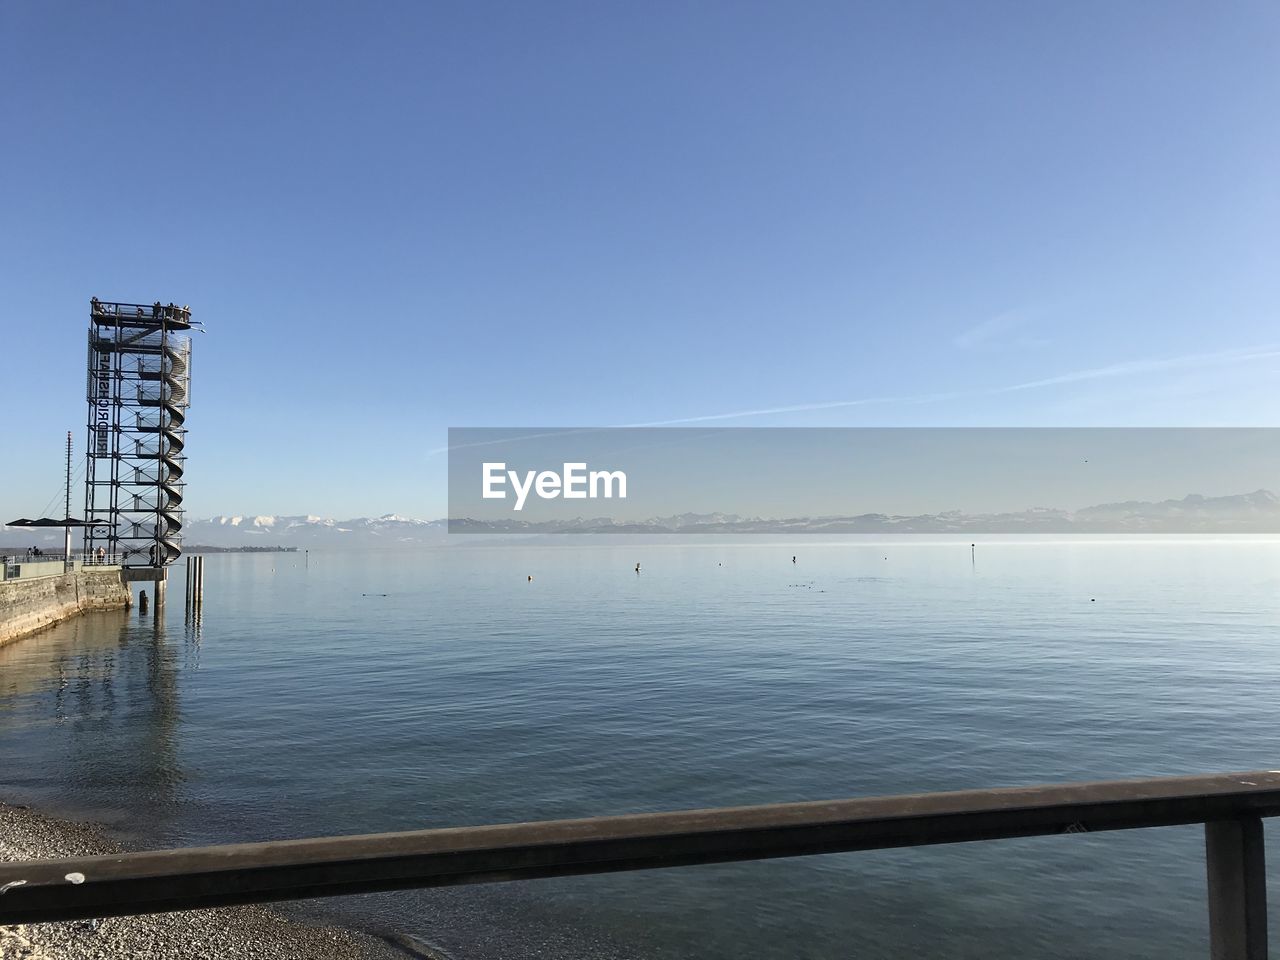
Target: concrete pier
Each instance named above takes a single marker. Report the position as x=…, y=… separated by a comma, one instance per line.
x=158, y=577
x=35, y=602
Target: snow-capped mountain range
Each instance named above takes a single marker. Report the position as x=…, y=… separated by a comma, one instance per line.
x=300, y=531
x=1257, y=512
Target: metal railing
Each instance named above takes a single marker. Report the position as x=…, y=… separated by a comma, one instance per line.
x=53, y=555
x=46, y=555
x=105, y=560
x=1230, y=805
x=139, y=311
x=24, y=566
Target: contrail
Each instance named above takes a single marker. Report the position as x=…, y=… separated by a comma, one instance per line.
x=800, y=407
x=1239, y=355
x=1126, y=368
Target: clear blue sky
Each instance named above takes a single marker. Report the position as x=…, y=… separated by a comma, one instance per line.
x=400, y=217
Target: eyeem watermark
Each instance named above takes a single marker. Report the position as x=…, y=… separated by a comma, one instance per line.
x=575, y=483
x=852, y=481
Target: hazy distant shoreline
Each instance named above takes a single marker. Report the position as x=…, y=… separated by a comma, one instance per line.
x=204, y=548
x=187, y=548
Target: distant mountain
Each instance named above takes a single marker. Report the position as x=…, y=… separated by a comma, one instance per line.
x=1257, y=512
x=292, y=531
x=1241, y=508
x=390, y=530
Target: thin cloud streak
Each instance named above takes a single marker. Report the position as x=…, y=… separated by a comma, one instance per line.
x=525, y=436
x=1240, y=355
x=992, y=328
x=801, y=407
x=1127, y=368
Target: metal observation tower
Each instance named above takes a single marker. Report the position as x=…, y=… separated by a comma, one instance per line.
x=139, y=387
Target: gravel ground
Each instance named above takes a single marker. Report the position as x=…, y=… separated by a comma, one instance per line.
x=220, y=934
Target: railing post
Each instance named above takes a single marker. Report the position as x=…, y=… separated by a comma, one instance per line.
x=1237, y=889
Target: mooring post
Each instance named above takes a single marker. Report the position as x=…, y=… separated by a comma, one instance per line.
x=1235, y=863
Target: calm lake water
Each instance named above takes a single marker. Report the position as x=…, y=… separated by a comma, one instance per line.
x=353, y=693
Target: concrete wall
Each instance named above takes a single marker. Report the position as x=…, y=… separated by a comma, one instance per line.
x=41, y=568
x=30, y=605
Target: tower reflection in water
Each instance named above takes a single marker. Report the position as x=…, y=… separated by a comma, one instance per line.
x=89, y=718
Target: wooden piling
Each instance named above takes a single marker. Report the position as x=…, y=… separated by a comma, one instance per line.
x=195, y=583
